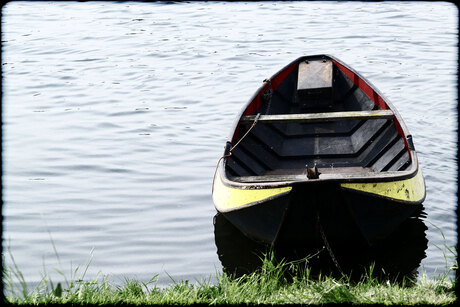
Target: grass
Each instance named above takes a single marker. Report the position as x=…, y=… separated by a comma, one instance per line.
x=276, y=282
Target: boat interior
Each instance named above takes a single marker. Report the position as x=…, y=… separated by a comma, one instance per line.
x=317, y=116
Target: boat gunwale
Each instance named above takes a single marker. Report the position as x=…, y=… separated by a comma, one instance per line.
x=297, y=179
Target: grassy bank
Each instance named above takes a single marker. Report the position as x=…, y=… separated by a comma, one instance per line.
x=274, y=283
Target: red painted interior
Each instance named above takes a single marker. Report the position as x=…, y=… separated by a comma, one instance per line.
x=369, y=91
x=366, y=88
x=275, y=82
x=257, y=102
x=373, y=96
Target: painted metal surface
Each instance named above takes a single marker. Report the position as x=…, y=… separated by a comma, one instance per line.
x=411, y=190
x=228, y=198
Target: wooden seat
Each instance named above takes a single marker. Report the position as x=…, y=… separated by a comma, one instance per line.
x=319, y=117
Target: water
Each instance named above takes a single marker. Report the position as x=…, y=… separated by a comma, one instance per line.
x=115, y=114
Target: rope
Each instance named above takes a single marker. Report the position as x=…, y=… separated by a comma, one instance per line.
x=326, y=243
x=233, y=147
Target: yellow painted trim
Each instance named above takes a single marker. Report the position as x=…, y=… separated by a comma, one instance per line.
x=407, y=190
x=227, y=198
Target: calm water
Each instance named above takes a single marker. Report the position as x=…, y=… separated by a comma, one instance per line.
x=115, y=114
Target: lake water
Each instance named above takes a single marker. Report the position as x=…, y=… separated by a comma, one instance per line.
x=115, y=114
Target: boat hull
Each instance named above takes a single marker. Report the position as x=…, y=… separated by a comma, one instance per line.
x=298, y=213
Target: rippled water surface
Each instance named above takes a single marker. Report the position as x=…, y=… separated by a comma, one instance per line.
x=115, y=114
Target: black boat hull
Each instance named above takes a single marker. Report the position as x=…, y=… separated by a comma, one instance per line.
x=344, y=214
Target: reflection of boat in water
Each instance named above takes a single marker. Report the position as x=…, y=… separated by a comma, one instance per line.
x=396, y=257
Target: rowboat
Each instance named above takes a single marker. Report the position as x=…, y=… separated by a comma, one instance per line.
x=318, y=151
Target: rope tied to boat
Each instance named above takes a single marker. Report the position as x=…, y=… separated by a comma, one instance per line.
x=227, y=155
x=328, y=247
